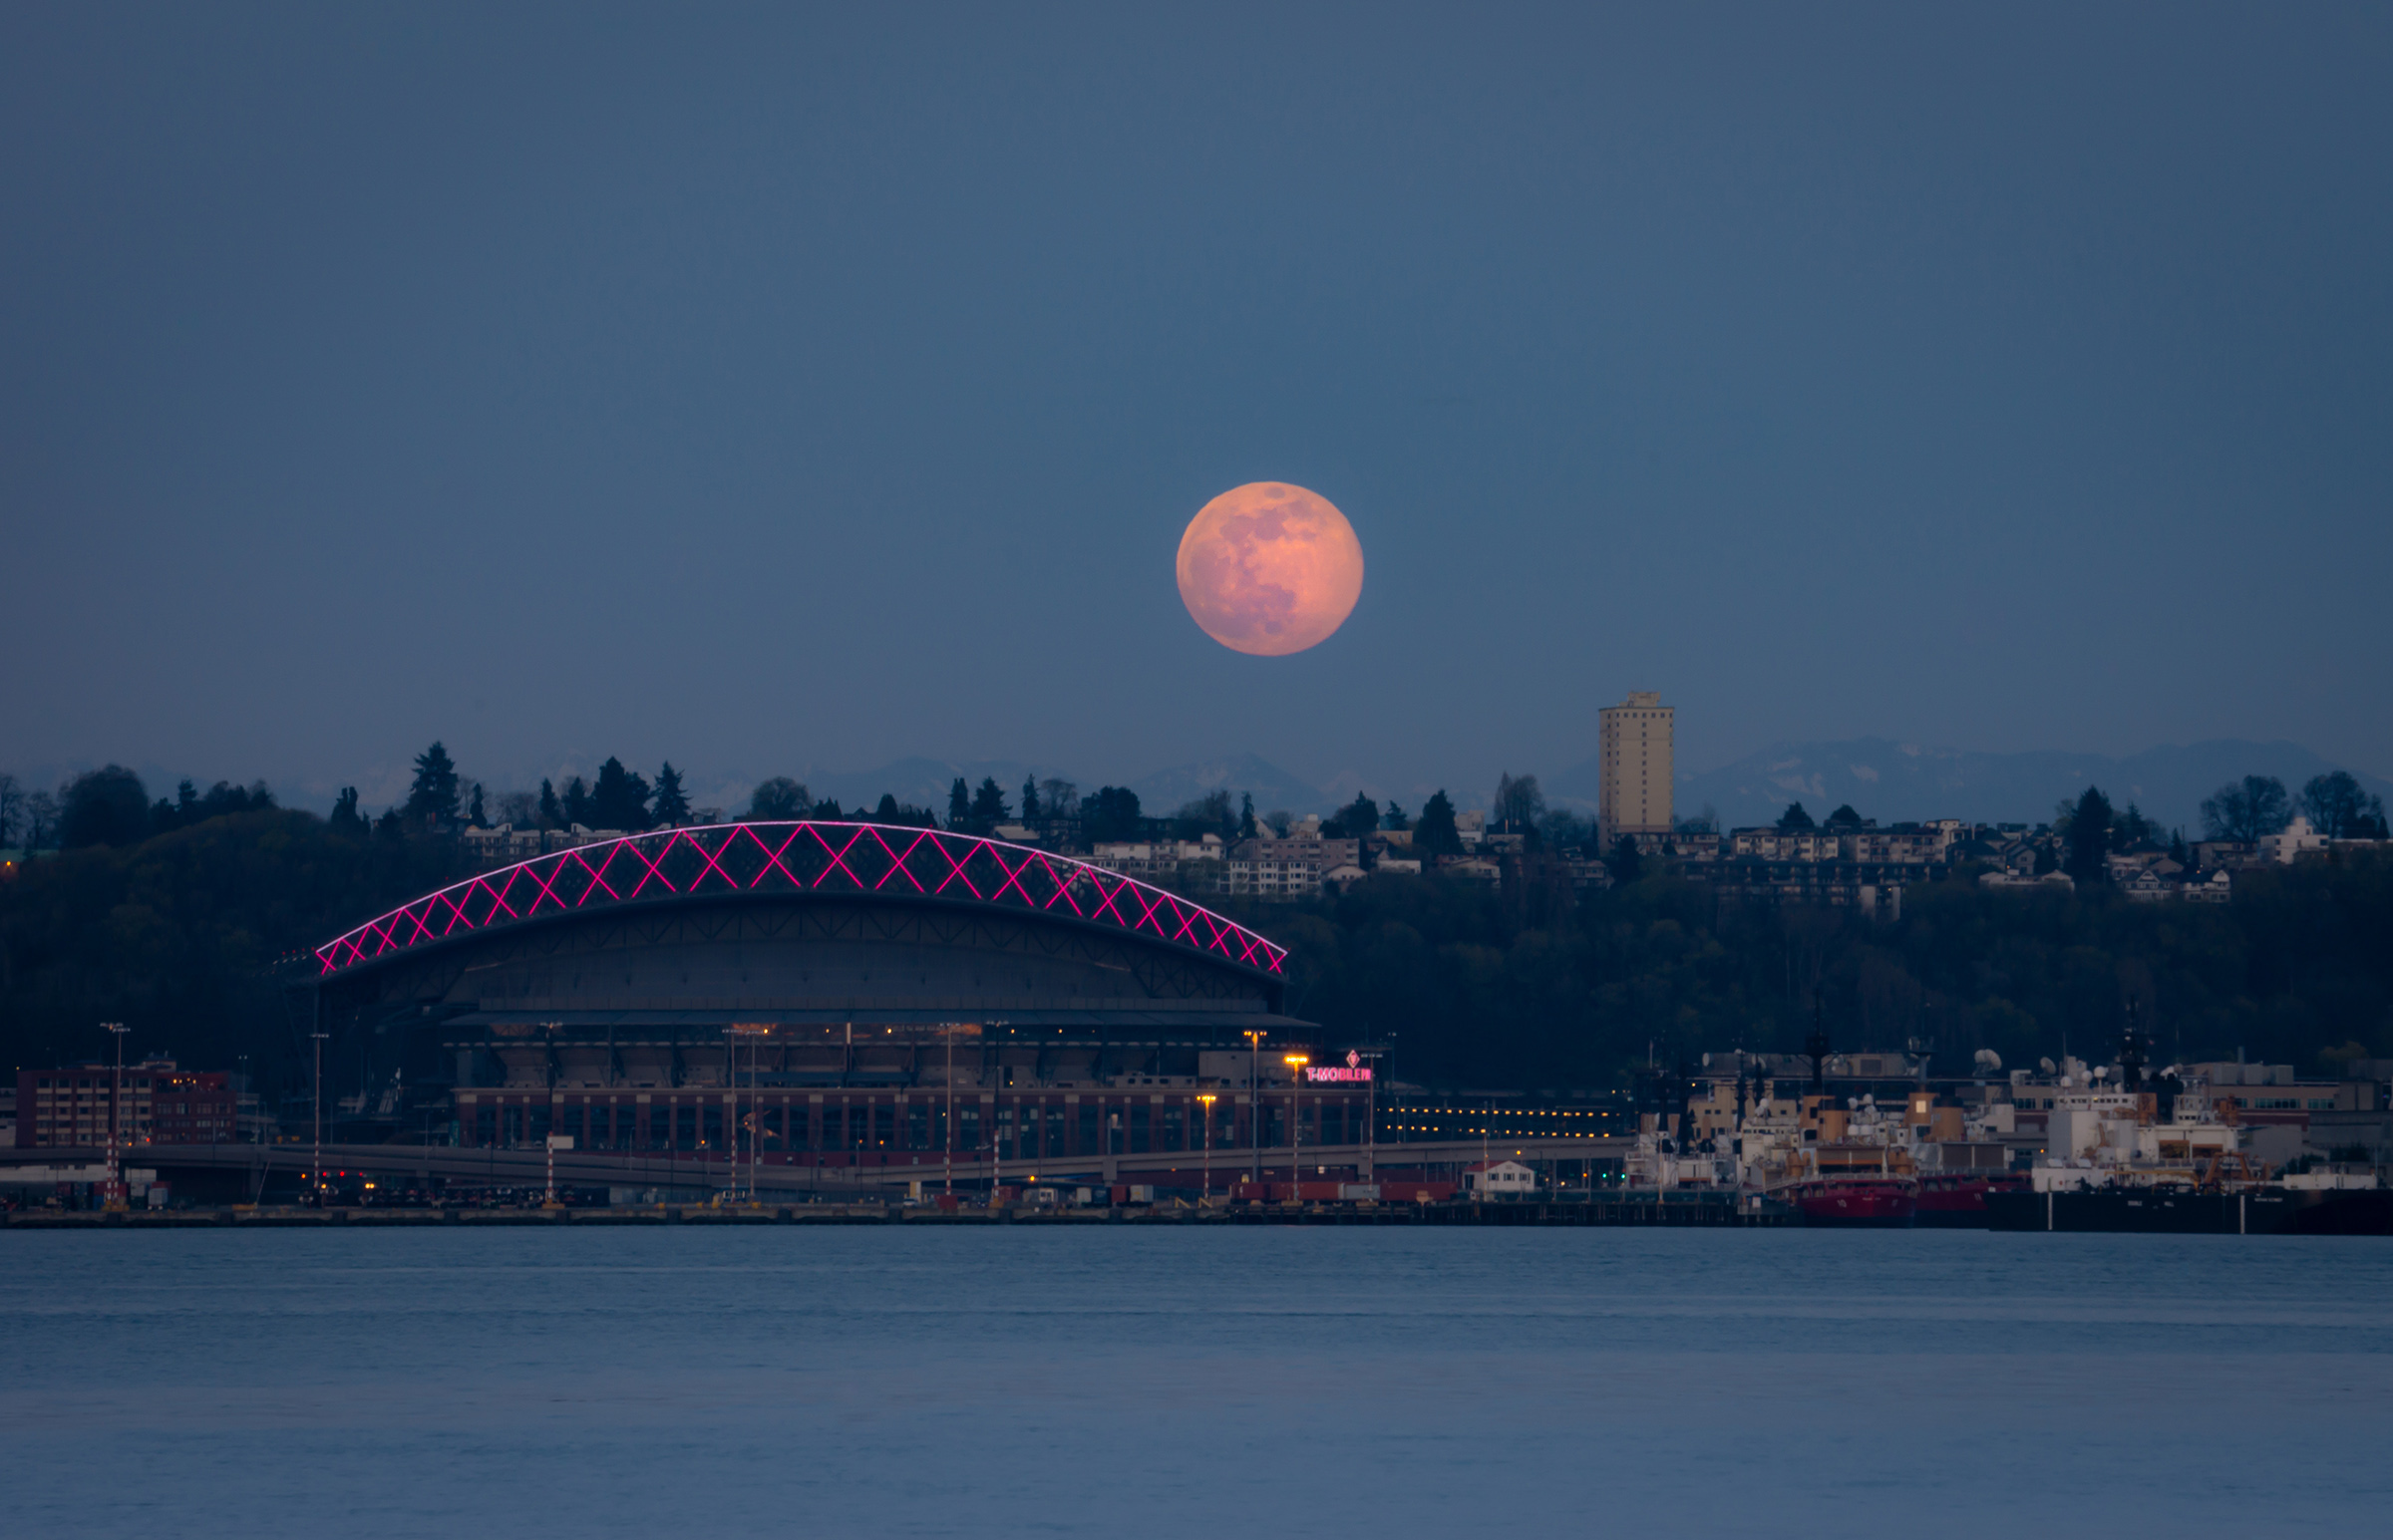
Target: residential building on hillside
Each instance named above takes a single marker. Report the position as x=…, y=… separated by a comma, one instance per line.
x=1289, y=868
x=1633, y=753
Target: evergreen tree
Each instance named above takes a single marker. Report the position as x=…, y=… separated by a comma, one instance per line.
x=1358, y=819
x=473, y=814
x=620, y=799
x=344, y=812
x=1794, y=821
x=887, y=811
x=959, y=807
x=672, y=804
x=1030, y=798
x=553, y=812
x=988, y=807
x=432, y=799
x=2089, y=838
x=1111, y=815
x=1843, y=819
x=1627, y=863
x=577, y=805
x=1394, y=820
x=1245, y=815
x=1436, y=834
x=2177, y=848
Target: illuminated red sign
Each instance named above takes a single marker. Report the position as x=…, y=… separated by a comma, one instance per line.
x=1337, y=1074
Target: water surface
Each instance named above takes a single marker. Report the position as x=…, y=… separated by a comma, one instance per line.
x=1126, y=1381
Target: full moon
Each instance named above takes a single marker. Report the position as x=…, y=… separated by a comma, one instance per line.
x=1270, y=569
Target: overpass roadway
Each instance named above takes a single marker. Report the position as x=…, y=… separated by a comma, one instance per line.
x=519, y=1168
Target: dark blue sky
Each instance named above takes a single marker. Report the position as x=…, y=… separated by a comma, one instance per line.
x=766, y=390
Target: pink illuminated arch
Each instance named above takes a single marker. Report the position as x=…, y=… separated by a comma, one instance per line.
x=801, y=857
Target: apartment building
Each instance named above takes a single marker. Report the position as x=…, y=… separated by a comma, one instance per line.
x=1635, y=766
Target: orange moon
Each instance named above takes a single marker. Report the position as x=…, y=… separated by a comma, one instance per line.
x=1270, y=569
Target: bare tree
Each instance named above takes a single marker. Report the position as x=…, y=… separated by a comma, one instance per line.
x=1519, y=802
x=12, y=806
x=520, y=808
x=40, y=820
x=2247, y=810
x=2338, y=808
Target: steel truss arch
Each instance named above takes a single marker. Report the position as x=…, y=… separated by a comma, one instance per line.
x=803, y=857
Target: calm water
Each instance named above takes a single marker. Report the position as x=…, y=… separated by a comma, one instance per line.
x=1143, y=1383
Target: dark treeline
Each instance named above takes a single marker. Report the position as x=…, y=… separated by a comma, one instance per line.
x=180, y=916
x=2297, y=969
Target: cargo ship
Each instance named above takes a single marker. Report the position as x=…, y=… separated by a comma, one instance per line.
x=1858, y=1202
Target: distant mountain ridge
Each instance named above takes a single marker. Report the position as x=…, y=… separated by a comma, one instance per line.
x=926, y=783
x=1893, y=781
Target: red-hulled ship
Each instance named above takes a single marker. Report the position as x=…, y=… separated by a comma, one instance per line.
x=1860, y=1202
x=1957, y=1199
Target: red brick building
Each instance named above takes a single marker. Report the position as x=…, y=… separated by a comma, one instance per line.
x=70, y=1107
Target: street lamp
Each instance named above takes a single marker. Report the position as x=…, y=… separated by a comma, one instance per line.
x=1207, y=1103
x=1254, y=1097
x=1297, y=1064
x=315, y=1175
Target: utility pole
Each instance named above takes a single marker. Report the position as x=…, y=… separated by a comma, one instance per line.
x=1297, y=1064
x=1207, y=1113
x=116, y=1100
x=315, y=1175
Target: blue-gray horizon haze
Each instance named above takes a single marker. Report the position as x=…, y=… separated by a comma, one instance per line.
x=764, y=389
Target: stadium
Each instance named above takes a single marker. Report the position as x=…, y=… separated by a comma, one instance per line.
x=821, y=1003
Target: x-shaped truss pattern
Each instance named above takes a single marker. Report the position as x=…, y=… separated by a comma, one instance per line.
x=804, y=857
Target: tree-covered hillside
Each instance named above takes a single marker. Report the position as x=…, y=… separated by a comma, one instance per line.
x=178, y=936
x=2300, y=965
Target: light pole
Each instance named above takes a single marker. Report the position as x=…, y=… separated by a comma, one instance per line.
x=1297, y=1064
x=1207, y=1103
x=115, y=1102
x=315, y=1102
x=1254, y=1098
